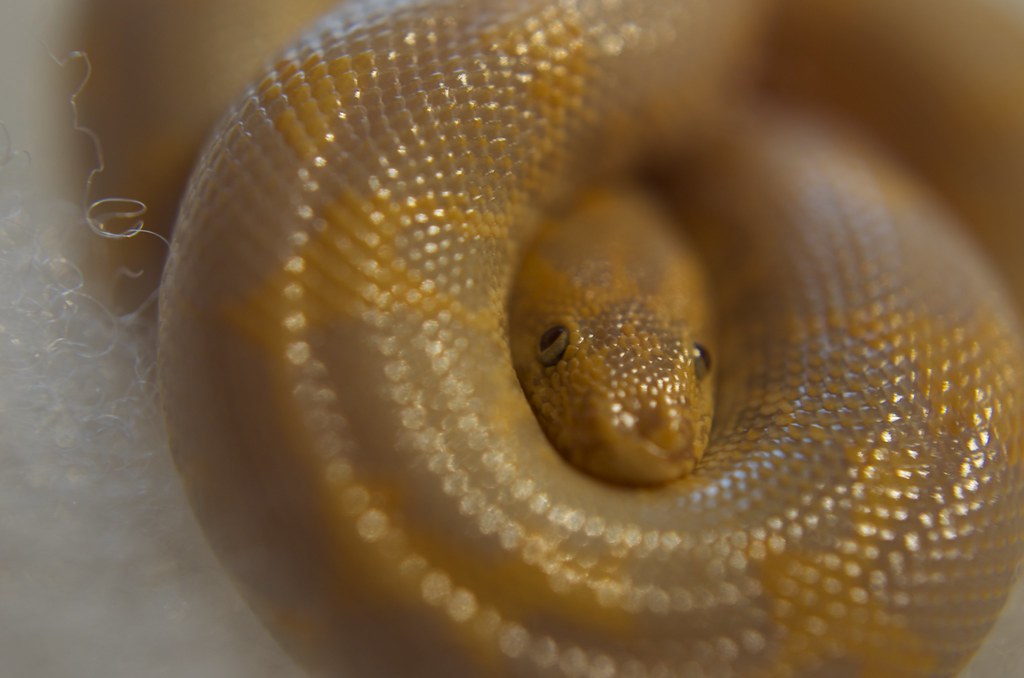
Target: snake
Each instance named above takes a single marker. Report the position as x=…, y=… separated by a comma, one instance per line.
x=608, y=337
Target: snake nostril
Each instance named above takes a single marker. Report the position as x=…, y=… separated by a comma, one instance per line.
x=666, y=430
x=641, y=446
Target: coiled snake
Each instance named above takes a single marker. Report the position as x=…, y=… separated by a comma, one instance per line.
x=338, y=381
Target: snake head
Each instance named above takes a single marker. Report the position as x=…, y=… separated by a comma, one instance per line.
x=605, y=320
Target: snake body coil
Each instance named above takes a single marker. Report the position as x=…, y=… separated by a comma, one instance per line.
x=340, y=397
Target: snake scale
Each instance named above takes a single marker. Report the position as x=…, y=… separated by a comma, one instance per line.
x=338, y=381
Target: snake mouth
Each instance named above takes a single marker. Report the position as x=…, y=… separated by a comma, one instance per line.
x=649, y=446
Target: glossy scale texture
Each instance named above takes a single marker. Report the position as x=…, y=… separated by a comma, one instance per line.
x=626, y=393
x=338, y=382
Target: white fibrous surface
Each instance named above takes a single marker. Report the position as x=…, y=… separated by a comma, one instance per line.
x=103, y=570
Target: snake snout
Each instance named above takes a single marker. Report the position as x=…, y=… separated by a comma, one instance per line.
x=647, y=445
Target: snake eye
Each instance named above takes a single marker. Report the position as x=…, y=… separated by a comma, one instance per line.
x=703, y=363
x=552, y=345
